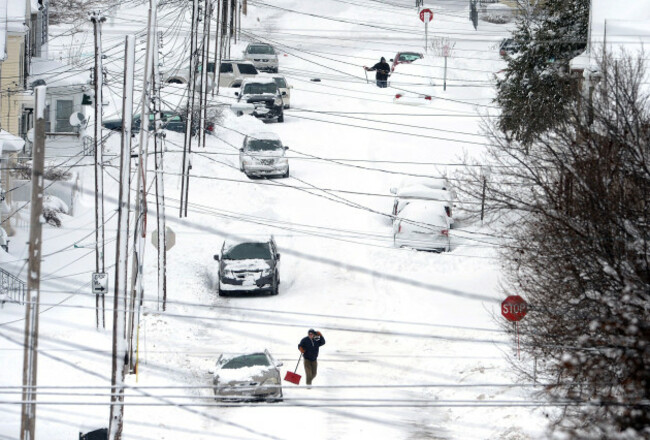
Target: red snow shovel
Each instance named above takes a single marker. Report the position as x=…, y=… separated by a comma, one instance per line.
x=293, y=377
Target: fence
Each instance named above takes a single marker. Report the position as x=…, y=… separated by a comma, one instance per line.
x=12, y=288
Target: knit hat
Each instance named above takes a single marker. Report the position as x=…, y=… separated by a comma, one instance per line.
x=311, y=330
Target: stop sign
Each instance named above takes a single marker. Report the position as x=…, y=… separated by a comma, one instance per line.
x=513, y=308
x=423, y=15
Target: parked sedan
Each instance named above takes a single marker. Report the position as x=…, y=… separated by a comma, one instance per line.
x=251, y=376
x=171, y=121
x=263, y=154
x=249, y=267
x=424, y=226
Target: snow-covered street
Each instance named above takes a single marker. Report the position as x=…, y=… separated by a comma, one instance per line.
x=414, y=349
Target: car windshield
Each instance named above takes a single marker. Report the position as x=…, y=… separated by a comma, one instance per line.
x=247, y=360
x=280, y=82
x=263, y=145
x=248, y=251
x=409, y=56
x=247, y=69
x=260, y=88
x=260, y=49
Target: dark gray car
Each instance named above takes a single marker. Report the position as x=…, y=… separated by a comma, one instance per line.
x=249, y=267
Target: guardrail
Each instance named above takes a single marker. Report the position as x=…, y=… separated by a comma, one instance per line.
x=12, y=289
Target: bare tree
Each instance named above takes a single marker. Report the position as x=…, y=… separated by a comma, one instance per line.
x=577, y=206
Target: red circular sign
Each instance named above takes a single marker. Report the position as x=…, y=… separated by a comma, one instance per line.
x=425, y=11
x=513, y=308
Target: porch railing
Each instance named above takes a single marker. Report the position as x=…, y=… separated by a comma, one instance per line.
x=12, y=289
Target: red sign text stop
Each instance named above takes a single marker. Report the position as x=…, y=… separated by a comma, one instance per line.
x=513, y=308
x=423, y=15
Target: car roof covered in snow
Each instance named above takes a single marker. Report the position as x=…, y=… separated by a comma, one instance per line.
x=259, y=79
x=231, y=242
x=264, y=135
x=432, y=213
x=423, y=191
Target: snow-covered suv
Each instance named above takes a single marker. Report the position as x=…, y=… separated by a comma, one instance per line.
x=233, y=72
x=263, y=57
x=263, y=154
x=265, y=96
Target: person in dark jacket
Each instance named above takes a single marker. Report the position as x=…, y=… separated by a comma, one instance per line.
x=309, y=348
x=383, y=70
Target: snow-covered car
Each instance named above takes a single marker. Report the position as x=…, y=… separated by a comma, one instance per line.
x=262, y=154
x=285, y=89
x=422, y=225
x=508, y=46
x=170, y=120
x=181, y=75
x=408, y=194
x=414, y=82
x=264, y=94
x=249, y=267
x=405, y=58
x=250, y=376
x=263, y=56
x=233, y=72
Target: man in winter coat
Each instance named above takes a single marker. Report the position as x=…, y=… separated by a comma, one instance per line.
x=309, y=348
x=383, y=70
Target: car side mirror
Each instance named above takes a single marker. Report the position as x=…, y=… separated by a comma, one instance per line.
x=279, y=364
x=286, y=148
x=284, y=93
x=237, y=93
x=391, y=60
x=393, y=190
x=216, y=257
x=241, y=149
x=277, y=256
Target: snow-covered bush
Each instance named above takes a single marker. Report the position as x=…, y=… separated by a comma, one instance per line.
x=52, y=207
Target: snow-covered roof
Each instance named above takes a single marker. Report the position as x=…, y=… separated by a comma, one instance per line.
x=258, y=80
x=421, y=191
x=56, y=74
x=3, y=30
x=265, y=135
x=16, y=16
x=621, y=29
x=432, y=213
x=9, y=142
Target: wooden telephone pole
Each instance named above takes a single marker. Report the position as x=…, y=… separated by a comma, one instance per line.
x=28, y=414
x=121, y=250
x=97, y=20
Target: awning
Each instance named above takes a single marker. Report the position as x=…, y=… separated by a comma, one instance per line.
x=10, y=143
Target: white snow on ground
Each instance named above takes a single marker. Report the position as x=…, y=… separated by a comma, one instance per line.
x=413, y=343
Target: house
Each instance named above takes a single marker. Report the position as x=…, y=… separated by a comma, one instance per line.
x=613, y=30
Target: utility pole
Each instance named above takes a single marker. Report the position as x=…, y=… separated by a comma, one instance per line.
x=140, y=221
x=121, y=249
x=28, y=413
x=97, y=20
x=160, y=185
x=187, y=147
x=217, y=52
x=205, y=57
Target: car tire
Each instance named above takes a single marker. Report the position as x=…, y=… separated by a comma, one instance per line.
x=281, y=117
x=276, y=287
x=285, y=175
x=219, y=291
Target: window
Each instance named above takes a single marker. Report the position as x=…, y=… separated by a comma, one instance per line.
x=280, y=82
x=226, y=68
x=63, y=112
x=247, y=69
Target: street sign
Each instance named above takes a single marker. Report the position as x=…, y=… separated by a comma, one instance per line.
x=426, y=14
x=100, y=283
x=513, y=308
x=170, y=238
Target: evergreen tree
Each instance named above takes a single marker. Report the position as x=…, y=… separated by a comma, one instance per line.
x=537, y=87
